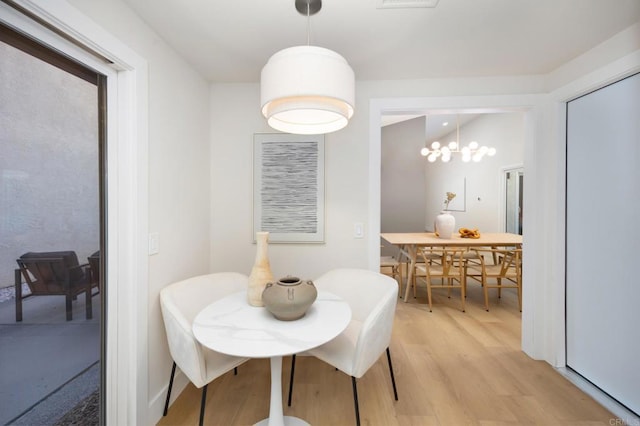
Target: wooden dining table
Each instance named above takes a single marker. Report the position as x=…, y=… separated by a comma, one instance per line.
x=409, y=242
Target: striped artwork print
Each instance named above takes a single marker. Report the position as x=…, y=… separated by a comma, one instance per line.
x=289, y=187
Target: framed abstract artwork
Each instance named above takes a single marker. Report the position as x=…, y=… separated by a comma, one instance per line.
x=288, y=187
x=458, y=187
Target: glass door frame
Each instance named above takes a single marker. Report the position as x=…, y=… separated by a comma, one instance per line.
x=59, y=25
x=507, y=214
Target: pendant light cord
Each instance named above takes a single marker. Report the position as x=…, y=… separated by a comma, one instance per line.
x=457, y=131
x=308, y=21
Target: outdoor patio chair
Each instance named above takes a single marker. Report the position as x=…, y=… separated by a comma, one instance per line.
x=94, y=270
x=53, y=273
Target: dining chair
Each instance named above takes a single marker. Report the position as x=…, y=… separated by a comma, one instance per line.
x=180, y=303
x=449, y=270
x=419, y=268
x=505, y=272
x=471, y=258
x=372, y=298
x=392, y=267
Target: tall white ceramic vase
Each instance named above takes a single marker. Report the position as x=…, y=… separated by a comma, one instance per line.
x=445, y=224
x=261, y=271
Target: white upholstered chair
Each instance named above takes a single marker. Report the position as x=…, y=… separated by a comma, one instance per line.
x=180, y=303
x=372, y=297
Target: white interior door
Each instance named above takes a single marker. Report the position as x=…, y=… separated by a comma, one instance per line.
x=603, y=239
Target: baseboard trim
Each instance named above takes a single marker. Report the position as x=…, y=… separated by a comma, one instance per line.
x=623, y=415
x=156, y=404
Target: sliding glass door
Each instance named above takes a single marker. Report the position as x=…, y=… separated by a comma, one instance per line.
x=52, y=140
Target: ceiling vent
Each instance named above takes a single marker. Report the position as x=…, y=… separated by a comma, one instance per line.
x=405, y=4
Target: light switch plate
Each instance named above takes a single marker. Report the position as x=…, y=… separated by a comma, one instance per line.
x=358, y=230
x=154, y=243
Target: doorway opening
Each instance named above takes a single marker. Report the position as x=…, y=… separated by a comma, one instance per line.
x=52, y=187
x=414, y=187
x=514, y=195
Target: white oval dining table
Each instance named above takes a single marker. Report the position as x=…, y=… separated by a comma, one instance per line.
x=231, y=326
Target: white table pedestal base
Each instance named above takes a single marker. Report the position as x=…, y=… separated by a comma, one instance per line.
x=276, y=417
x=288, y=421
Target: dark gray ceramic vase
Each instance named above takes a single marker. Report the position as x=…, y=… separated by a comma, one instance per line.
x=289, y=298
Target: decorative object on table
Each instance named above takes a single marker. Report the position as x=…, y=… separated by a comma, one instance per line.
x=445, y=222
x=261, y=271
x=289, y=298
x=450, y=196
x=469, y=233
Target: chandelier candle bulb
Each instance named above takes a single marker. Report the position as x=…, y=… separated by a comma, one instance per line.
x=471, y=152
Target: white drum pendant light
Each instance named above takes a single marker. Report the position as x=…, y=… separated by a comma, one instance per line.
x=307, y=90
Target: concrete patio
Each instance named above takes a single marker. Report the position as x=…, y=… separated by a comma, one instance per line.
x=47, y=364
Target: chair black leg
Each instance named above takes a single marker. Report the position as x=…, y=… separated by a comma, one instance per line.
x=18, y=289
x=166, y=404
x=69, y=307
x=393, y=379
x=235, y=371
x=355, y=400
x=293, y=368
x=88, y=307
x=202, y=404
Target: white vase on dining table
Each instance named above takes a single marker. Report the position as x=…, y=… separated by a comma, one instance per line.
x=445, y=223
x=261, y=270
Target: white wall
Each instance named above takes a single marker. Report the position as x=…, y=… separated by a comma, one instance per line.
x=179, y=186
x=402, y=197
x=484, y=187
x=235, y=117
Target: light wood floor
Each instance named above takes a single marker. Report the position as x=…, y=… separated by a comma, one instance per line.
x=452, y=368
